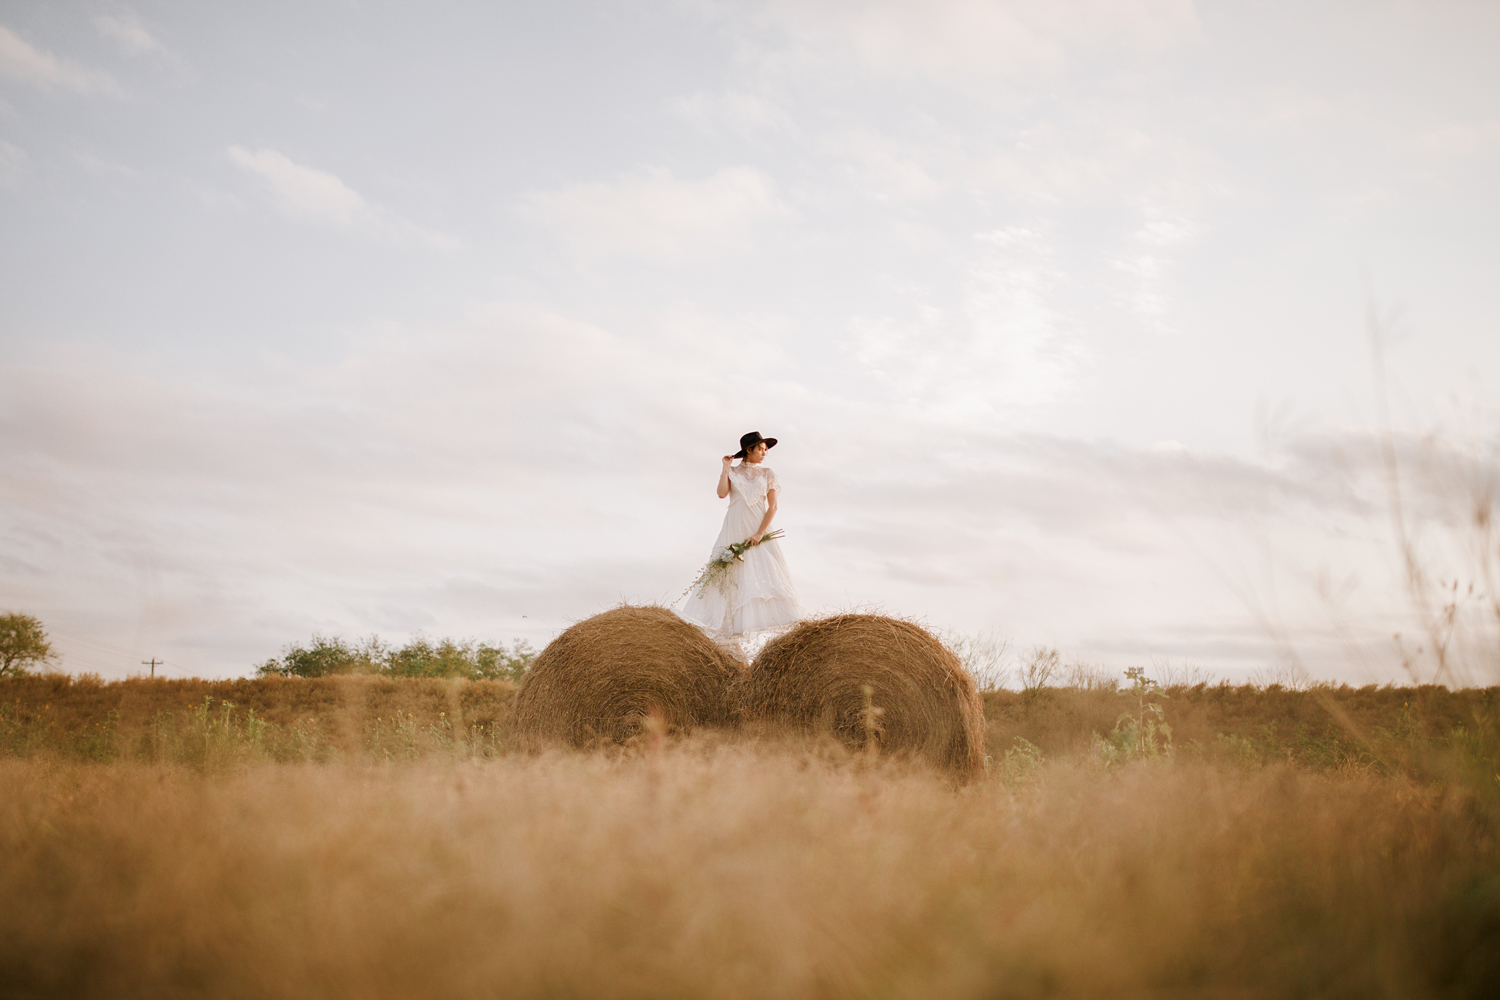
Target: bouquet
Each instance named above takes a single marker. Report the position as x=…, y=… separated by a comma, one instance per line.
x=717, y=570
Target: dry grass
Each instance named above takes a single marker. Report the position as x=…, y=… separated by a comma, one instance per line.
x=264, y=719
x=605, y=678
x=706, y=870
x=1340, y=729
x=1426, y=730
x=1331, y=842
x=872, y=682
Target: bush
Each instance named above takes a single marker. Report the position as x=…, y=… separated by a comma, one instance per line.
x=477, y=661
x=326, y=658
x=421, y=657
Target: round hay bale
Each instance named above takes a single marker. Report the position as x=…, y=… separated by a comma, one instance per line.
x=602, y=679
x=873, y=682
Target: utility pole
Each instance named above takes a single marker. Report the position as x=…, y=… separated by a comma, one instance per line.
x=153, y=661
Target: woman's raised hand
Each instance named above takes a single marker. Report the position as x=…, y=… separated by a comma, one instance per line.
x=728, y=460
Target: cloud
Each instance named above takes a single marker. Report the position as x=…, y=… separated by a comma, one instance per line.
x=885, y=169
x=304, y=191
x=313, y=195
x=971, y=40
x=1283, y=109
x=1008, y=347
x=1460, y=139
x=103, y=167
x=129, y=33
x=45, y=71
x=738, y=112
x=1148, y=264
x=526, y=462
x=474, y=454
x=12, y=164
x=657, y=215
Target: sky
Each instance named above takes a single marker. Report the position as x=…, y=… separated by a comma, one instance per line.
x=1098, y=325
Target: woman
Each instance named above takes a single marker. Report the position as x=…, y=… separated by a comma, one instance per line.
x=756, y=595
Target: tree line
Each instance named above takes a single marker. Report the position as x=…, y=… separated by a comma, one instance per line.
x=24, y=647
x=421, y=657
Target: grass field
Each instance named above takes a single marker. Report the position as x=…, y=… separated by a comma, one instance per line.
x=360, y=718
x=368, y=837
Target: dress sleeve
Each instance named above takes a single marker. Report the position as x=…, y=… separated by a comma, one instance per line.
x=771, y=483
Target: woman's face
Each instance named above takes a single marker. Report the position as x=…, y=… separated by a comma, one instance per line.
x=757, y=454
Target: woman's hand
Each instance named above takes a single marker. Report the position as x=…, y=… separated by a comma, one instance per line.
x=728, y=461
x=755, y=538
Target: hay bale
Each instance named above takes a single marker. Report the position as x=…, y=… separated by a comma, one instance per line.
x=604, y=677
x=813, y=678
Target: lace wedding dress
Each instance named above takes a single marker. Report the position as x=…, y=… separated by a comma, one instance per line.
x=757, y=597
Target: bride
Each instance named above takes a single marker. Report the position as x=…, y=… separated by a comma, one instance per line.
x=756, y=596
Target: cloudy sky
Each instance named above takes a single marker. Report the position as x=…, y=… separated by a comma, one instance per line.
x=351, y=318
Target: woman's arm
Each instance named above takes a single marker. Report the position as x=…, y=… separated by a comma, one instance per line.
x=765, y=522
x=724, y=477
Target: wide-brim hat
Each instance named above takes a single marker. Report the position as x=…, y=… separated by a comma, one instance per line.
x=748, y=441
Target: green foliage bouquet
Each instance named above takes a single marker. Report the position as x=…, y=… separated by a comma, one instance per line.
x=716, y=573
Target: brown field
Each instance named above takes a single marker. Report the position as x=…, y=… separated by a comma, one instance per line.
x=357, y=718
x=367, y=837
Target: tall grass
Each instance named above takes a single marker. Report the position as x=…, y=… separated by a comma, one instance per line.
x=370, y=837
x=1422, y=731
x=270, y=720
x=702, y=869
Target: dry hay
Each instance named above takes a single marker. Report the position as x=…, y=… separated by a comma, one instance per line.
x=922, y=702
x=606, y=678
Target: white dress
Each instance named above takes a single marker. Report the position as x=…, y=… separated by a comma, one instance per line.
x=757, y=596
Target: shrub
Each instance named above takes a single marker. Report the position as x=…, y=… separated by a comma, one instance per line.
x=325, y=658
x=1141, y=733
x=445, y=658
x=421, y=657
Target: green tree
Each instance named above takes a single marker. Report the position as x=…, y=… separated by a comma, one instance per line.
x=499, y=663
x=327, y=657
x=23, y=644
x=421, y=657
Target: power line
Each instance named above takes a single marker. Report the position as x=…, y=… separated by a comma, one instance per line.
x=105, y=657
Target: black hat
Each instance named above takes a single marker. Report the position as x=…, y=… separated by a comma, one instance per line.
x=748, y=441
